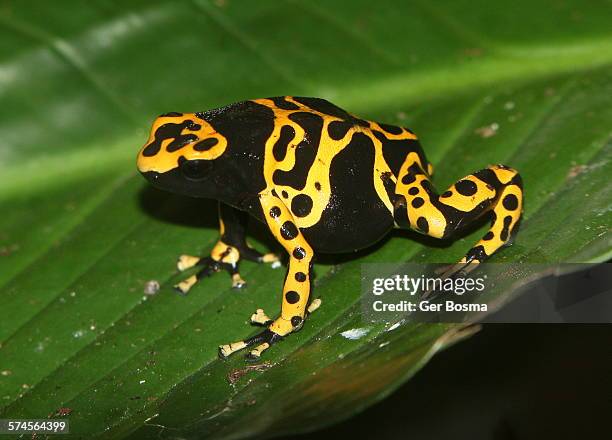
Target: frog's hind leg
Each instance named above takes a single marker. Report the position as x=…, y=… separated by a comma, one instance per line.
x=231, y=248
x=296, y=288
x=497, y=190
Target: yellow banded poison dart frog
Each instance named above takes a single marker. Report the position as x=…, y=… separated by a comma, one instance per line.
x=323, y=181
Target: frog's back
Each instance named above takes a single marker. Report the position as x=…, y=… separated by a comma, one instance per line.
x=335, y=171
x=282, y=123
x=334, y=128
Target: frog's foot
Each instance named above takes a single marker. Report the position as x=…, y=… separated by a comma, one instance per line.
x=263, y=340
x=271, y=258
x=222, y=257
x=274, y=333
x=209, y=266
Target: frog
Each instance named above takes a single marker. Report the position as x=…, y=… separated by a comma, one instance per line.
x=323, y=181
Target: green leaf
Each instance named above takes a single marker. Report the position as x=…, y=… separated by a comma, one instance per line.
x=81, y=233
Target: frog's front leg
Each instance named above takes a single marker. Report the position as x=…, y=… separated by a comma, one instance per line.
x=296, y=289
x=226, y=255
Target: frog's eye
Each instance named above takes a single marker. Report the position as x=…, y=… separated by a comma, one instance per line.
x=195, y=169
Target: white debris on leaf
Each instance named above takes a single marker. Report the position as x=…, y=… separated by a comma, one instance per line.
x=488, y=130
x=151, y=418
x=396, y=325
x=355, y=333
x=151, y=287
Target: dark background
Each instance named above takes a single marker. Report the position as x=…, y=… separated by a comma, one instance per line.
x=508, y=381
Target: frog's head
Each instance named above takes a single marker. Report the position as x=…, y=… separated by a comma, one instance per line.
x=180, y=153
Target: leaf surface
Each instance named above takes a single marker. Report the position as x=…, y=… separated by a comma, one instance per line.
x=527, y=84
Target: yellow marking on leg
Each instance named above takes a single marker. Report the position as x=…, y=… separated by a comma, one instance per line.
x=281, y=326
x=501, y=225
x=221, y=222
x=296, y=289
x=467, y=203
x=225, y=253
x=435, y=219
x=186, y=262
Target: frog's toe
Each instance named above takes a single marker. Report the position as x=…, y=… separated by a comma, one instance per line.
x=271, y=258
x=263, y=340
x=187, y=262
x=237, y=281
x=255, y=354
x=314, y=305
x=184, y=286
x=228, y=349
x=260, y=318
